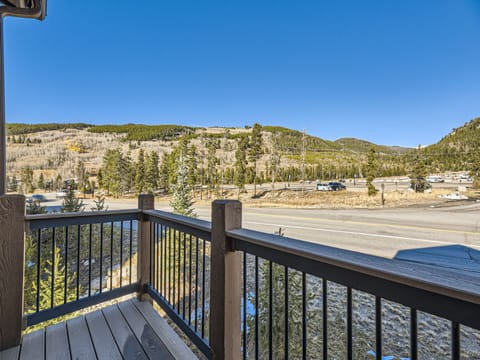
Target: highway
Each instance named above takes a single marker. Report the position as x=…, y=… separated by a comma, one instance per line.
x=381, y=232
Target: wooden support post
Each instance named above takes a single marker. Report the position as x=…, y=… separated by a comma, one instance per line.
x=225, y=282
x=12, y=248
x=145, y=202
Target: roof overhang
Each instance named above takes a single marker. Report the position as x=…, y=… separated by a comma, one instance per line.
x=34, y=9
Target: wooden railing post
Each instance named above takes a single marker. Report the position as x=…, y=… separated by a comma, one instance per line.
x=12, y=247
x=145, y=202
x=225, y=282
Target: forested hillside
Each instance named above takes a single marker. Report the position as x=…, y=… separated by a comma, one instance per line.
x=457, y=151
x=136, y=158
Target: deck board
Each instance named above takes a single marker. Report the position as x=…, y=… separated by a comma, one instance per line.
x=149, y=340
x=33, y=346
x=56, y=342
x=177, y=347
x=102, y=337
x=81, y=346
x=10, y=354
x=125, y=339
x=128, y=330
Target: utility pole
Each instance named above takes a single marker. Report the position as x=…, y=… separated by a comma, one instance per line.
x=35, y=9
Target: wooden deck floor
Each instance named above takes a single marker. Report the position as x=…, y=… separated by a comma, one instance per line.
x=128, y=330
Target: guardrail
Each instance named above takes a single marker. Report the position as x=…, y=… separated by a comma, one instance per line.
x=236, y=293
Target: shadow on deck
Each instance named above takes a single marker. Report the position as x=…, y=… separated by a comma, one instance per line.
x=127, y=330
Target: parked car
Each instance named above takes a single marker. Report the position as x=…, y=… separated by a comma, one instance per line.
x=323, y=187
x=465, y=178
x=38, y=197
x=434, y=179
x=336, y=186
x=61, y=194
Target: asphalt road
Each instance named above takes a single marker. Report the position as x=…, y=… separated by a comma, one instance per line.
x=381, y=232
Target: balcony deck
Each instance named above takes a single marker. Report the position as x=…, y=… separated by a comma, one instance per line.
x=127, y=330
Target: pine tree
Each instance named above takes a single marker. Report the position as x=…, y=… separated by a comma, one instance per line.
x=152, y=172
x=254, y=151
x=163, y=176
x=140, y=173
x=275, y=158
x=182, y=199
x=41, y=182
x=99, y=202
x=58, y=285
x=70, y=202
x=27, y=180
x=240, y=164
x=371, y=171
x=419, y=173
x=211, y=174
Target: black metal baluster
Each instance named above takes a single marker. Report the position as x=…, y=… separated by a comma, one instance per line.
x=171, y=267
x=184, y=273
x=256, y=309
x=121, y=252
x=159, y=259
x=179, y=299
x=130, y=236
x=153, y=261
x=174, y=269
x=413, y=334
x=203, y=289
x=164, y=256
x=78, y=261
x=378, y=327
x=111, y=256
x=244, y=305
x=349, y=325
x=190, y=282
x=90, y=260
x=325, y=317
x=455, y=340
x=65, y=285
x=52, y=290
x=304, y=315
x=39, y=253
x=196, y=283
x=270, y=310
x=101, y=257
x=286, y=312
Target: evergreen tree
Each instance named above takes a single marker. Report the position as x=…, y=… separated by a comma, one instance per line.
x=371, y=170
x=211, y=174
x=99, y=202
x=192, y=166
x=275, y=158
x=163, y=177
x=27, y=180
x=58, y=283
x=254, y=151
x=113, y=171
x=419, y=173
x=152, y=172
x=70, y=202
x=140, y=173
x=58, y=182
x=241, y=164
x=182, y=199
x=41, y=182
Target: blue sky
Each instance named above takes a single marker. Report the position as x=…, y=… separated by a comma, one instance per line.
x=391, y=72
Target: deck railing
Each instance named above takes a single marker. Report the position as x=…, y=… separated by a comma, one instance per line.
x=236, y=293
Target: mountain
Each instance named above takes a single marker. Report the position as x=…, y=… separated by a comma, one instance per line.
x=457, y=151
x=362, y=146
